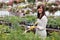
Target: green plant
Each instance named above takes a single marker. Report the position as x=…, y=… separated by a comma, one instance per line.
x=54, y=21
x=16, y=33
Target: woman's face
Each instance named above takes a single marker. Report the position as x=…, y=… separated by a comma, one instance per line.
x=40, y=10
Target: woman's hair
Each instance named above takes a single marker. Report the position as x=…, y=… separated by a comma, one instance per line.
x=43, y=13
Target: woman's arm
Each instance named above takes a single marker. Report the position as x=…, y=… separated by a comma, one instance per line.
x=36, y=23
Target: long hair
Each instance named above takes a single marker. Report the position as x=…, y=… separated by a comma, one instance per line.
x=43, y=13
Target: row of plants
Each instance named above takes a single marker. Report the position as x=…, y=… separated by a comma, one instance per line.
x=7, y=33
x=53, y=22
x=48, y=6
x=16, y=32
x=29, y=20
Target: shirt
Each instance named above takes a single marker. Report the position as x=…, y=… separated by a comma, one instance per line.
x=42, y=23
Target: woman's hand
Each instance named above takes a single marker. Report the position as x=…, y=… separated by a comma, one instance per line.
x=38, y=28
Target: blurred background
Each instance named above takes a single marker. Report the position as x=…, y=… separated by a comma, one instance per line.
x=52, y=6
x=16, y=15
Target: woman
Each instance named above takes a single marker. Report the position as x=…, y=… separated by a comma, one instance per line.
x=41, y=22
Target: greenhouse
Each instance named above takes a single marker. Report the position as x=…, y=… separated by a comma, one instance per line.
x=30, y=20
